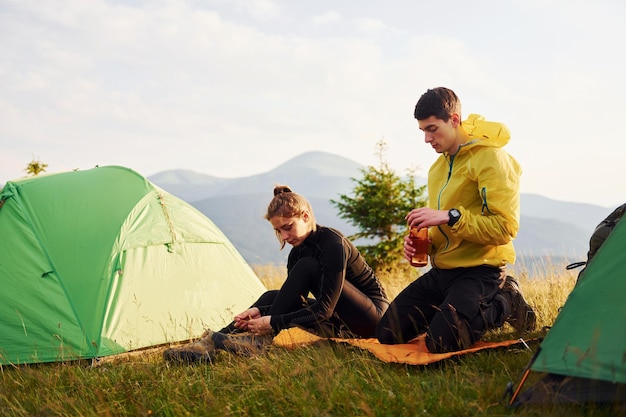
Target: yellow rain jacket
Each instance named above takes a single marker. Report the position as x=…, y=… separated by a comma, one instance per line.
x=482, y=182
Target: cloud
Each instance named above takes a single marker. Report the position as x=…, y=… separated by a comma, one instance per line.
x=368, y=25
x=327, y=18
x=259, y=9
x=237, y=88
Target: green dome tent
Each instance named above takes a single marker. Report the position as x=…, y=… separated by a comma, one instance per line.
x=583, y=357
x=99, y=262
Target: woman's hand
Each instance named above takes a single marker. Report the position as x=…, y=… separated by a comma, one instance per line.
x=242, y=319
x=260, y=326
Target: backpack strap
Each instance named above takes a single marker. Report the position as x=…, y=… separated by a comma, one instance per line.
x=575, y=265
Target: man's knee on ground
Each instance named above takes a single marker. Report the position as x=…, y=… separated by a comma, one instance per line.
x=449, y=331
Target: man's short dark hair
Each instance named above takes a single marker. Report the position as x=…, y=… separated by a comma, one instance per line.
x=440, y=102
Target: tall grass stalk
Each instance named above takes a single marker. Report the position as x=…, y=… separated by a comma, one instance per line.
x=326, y=379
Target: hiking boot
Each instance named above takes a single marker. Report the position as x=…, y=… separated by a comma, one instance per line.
x=522, y=317
x=201, y=350
x=244, y=343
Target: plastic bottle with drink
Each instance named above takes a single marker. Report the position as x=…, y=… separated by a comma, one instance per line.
x=420, y=243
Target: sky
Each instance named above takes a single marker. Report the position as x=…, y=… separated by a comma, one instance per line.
x=234, y=88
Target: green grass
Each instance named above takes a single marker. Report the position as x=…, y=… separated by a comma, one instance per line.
x=326, y=379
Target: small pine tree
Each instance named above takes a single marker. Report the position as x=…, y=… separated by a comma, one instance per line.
x=35, y=168
x=380, y=202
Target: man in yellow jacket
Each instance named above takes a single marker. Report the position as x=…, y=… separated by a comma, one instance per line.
x=473, y=217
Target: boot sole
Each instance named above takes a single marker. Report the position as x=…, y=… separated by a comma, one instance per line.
x=188, y=357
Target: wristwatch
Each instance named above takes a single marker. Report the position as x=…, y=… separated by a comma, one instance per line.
x=454, y=215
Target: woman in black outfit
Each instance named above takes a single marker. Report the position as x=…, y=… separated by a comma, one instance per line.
x=349, y=300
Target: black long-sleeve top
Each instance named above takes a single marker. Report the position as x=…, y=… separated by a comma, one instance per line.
x=339, y=260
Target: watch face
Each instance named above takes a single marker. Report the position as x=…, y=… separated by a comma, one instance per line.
x=454, y=215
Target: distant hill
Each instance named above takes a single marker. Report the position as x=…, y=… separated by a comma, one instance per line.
x=548, y=228
x=313, y=174
x=584, y=216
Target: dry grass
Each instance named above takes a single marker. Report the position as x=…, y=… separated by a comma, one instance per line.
x=271, y=275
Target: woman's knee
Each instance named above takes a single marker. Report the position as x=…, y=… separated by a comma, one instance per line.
x=307, y=267
x=307, y=263
x=267, y=298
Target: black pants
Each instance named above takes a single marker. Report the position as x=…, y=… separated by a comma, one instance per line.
x=355, y=315
x=455, y=307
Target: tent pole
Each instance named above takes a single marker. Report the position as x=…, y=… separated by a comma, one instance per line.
x=524, y=377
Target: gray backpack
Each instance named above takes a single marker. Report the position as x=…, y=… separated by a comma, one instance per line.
x=599, y=235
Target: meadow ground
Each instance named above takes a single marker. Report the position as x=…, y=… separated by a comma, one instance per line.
x=326, y=379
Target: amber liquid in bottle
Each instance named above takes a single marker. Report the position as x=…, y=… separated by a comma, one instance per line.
x=420, y=242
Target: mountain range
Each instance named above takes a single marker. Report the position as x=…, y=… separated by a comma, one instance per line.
x=549, y=229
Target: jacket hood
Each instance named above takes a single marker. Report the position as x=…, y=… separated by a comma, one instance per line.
x=485, y=133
